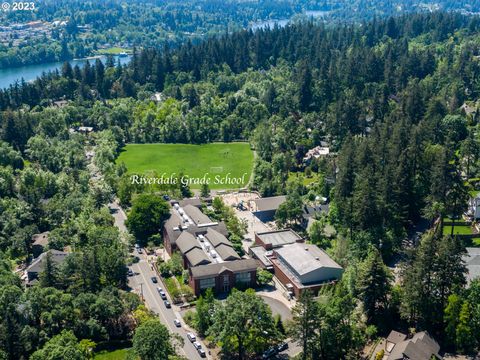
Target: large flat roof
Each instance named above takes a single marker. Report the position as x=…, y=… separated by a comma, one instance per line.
x=305, y=258
x=269, y=203
x=279, y=237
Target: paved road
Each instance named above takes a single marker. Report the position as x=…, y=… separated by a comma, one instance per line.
x=143, y=274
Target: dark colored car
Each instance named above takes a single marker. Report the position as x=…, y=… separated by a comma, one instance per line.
x=269, y=353
x=282, y=347
x=130, y=272
x=202, y=353
x=154, y=279
x=166, y=197
x=167, y=304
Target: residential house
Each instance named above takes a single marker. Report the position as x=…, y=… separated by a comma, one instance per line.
x=420, y=347
x=316, y=153
x=472, y=262
x=474, y=207
x=37, y=266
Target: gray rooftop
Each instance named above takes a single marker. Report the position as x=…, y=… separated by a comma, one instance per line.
x=173, y=232
x=187, y=242
x=279, y=238
x=197, y=216
x=396, y=337
x=37, y=265
x=226, y=252
x=472, y=261
x=215, y=238
x=206, y=271
x=420, y=347
x=192, y=201
x=269, y=203
x=305, y=258
x=197, y=256
x=259, y=252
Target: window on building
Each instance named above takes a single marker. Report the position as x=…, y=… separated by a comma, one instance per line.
x=207, y=283
x=243, y=277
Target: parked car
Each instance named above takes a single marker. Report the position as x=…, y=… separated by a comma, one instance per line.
x=282, y=347
x=163, y=295
x=202, y=353
x=191, y=337
x=166, y=197
x=197, y=345
x=154, y=279
x=177, y=323
x=167, y=304
x=159, y=289
x=269, y=353
x=139, y=250
x=130, y=272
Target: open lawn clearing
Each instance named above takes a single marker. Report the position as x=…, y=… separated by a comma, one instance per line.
x=460, y=230
x=120, y=354
x=222, y=165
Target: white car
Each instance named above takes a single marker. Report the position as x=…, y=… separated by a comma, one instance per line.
x=177, y=323
x=191, y=337
x=197, y=345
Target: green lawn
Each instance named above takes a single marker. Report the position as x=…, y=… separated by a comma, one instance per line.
x=112, y=51
x=120, y=354
x=223, y=165
x=476, y=242
x=460, y=230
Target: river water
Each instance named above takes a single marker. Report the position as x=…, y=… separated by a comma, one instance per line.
x=31, y=72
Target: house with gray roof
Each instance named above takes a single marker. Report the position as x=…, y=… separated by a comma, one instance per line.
x=304, y=266
x=472, y=262
x=37, y=266
x=420, y=347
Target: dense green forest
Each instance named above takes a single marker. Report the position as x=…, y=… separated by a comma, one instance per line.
x=93, y=25
x=387, y=98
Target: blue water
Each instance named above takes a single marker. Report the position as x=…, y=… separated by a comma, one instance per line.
x=31, y=72
x=284, y=22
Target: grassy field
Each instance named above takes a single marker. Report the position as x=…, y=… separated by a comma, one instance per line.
x=223, y=165
x=112, y=51
x=459, y=229
x=112, y=355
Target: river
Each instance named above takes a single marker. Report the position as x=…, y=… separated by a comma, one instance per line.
x=31, y=72
x=284, y=22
